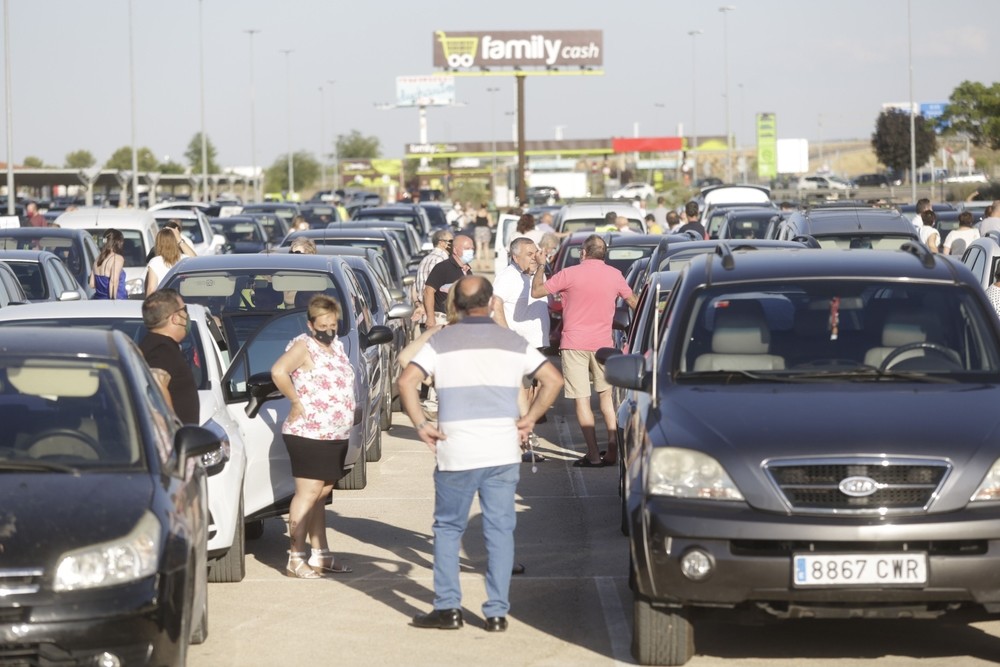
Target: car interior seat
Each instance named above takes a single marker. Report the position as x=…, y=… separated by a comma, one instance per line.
x=958, y=247
x=903, y=325
x=741, y=341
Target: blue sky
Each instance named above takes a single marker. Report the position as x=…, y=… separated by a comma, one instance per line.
x=824, y=68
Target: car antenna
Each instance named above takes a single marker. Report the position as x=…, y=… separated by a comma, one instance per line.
x=726, y=253
x=918, y=249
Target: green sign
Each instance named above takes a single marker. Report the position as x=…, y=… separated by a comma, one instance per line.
x=767, y=146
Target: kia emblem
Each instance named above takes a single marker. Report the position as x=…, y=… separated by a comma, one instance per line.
x=858, y=487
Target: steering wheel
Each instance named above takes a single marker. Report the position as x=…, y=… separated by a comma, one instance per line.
x=946, y=352
x=66, y=442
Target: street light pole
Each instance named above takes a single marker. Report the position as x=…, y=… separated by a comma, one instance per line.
x=336, y=151
x=8, y=110
x=913, y=122
x=725, y=9
x=493, y=139
x=131, y=80
x=694, y=106
x=201, y=84
x=288, y=100
x=322, y=137
x=253, y=121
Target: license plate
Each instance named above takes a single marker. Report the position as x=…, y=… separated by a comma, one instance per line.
x=859, y=569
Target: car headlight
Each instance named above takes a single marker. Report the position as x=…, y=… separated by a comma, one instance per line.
x=215, y=460
x=111, y=563
x=685, y=473
x=134, y=286
x=989, y=488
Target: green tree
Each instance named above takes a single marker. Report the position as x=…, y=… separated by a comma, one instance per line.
x=81, y=159
x=355, y=146
x=193, y=154
x=974, y=109
x=304, y=165
x=121, y=159
x=170, y=167
x=891, y=140
x=33, y=162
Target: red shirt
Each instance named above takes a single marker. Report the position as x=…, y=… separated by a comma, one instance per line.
x=588, y=291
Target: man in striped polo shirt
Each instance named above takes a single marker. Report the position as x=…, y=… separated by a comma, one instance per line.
x=478, y=367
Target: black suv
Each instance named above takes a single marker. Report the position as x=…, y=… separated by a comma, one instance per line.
x=820, y=439
x=849, y=228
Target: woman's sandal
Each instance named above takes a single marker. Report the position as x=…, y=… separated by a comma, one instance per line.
x=298, y=567
x=322, y=560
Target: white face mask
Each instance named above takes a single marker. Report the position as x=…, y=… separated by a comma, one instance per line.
x=468, y=255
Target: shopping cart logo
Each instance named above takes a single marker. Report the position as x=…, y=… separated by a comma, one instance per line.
x=458, y=51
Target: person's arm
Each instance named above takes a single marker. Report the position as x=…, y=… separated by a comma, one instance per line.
x=632, y=301
x=429, y=305
x=152, y=281
x=550, y=381
x=497, y=311
x=281, y=373
x=409, y=395
x=117, y=264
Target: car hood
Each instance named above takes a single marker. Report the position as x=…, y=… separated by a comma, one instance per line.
x=743, y=426
x=43, y=515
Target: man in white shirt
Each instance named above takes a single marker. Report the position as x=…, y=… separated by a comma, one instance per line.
x=922, y=205
x=991, y=223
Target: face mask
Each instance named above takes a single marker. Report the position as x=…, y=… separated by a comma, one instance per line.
x=467, y=255
x=324, y=337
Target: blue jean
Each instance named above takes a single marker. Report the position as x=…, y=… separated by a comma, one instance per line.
x=453, y=494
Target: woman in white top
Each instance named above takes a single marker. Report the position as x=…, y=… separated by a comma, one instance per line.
x=929, y=235
x=959, y=239
x=167, y=253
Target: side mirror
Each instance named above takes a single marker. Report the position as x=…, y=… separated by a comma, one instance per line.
x=261, y=389
x=377, y=335
x=218, y=241
x=193, y=442
x=627, y=371
x=605, y=353
x=622, y=318
x=409, y=279
x=399, y=311
x=397, y=294
x=69, y=295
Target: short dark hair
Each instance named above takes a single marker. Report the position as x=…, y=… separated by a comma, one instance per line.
x=923, y=205
x=610, y=217
x=691, y=209
x=158, y=306
x=929, y=217
x=650, y=217
x=472, y=292
x=595, y=247
x=965, y=219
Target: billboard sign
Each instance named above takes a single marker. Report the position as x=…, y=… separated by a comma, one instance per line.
x=509, y=48
x=767, y=146
x=425, y=91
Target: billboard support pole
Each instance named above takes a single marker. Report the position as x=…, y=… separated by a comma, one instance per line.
x=521, y=157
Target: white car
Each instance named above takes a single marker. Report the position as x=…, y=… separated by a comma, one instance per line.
x=825, y=183
x=226, y=466
x=633, y=190
x=139, y=229
x=194, y=226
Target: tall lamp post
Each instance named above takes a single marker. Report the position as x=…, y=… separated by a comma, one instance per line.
x=694, y=105
x=725, y=9
x=201, y=84
x=253, y=121
x=11, y=196
x=288, y=99
x=131, y=80
x=493, y=138
x=913, y=136
x=336, y=151
x=322, y=137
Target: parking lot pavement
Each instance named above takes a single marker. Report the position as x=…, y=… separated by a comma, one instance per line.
x=569, y=608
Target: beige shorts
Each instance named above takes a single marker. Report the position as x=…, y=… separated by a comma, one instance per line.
x=580, y=368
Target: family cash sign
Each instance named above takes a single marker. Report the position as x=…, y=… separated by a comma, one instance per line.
x=537, y=48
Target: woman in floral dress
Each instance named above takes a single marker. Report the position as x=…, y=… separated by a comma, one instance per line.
x=316, y=376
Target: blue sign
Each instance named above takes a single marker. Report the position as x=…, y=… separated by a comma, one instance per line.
x=932, y=110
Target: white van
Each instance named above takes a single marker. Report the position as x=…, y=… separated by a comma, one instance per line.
x=137, y=226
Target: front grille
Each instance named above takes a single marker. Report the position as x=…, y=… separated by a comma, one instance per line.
x=899, y=485
x=785, y=548
x=19, y=581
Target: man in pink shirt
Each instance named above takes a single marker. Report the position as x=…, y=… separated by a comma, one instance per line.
x=589, y=291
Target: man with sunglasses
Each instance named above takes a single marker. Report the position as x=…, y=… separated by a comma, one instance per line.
x=168, y=323
x=442, y=241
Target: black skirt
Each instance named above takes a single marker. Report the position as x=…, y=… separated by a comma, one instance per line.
x=316, y=459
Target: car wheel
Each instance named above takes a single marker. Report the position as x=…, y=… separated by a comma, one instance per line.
x=397, y=405
x=374, y=452
x=199, y=632
x=253, y=530
x=661, y=636
x=231, y=567
x=357, y=478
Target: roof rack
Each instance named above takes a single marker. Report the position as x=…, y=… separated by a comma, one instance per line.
x=921, y=251
x=726, y=253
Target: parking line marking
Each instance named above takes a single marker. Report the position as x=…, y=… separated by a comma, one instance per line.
x=618, y=628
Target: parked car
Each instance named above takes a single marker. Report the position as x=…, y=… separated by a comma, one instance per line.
x=75, y=247
x=247, y=292
x=412, y=214
x=591, y=215
x=876, y=181
x=775, y=465
x=983, y=259
x=746, y=222
x=410, y=245
x=850, y=228
x=285, y=211
x=542, y=194
x=825, y=182
x=195, y=227
x=319, y=215
x=42, y=275
x=243, y=234
x=437, y=215
x=277, y=228
x=226, y=465
x=11, y=292
x=118, y=574
x=139, y=228
x=633, y=190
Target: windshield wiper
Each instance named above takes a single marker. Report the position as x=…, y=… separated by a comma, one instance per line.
x=732, y=376
x=866, y=373
x=36, y=465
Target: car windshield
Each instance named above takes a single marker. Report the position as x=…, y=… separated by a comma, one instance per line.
x=282, y=212
x=238, y=232
x=134, y=249
x=830, y=327
x=746, y=227
x=580, y=224
x=65, y=414
x=131, y=327
x=620, y=257
x=863, y=241
x=62, y=247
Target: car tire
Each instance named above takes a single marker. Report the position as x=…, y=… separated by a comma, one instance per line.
x=357, y=478
x=199, y=631
x=661, y=636
x=231, y=567
x=374, y=452
x=253, y=530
